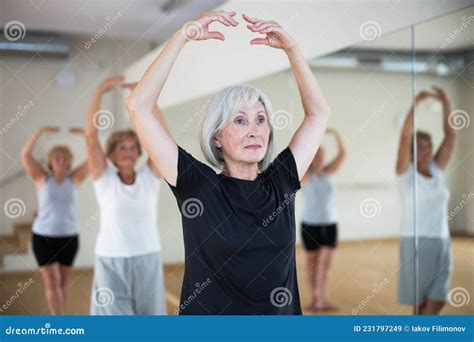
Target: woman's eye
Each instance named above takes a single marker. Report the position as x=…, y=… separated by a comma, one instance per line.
x=239, y=121
x=261, y=120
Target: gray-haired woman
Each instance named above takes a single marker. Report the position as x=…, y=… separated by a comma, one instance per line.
x=240, y=240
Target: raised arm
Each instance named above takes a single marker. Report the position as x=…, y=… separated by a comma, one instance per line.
x=446, y=148
x=306, y=140
x=158, y=143
x=406, y=135
x=80, y=173
x=96, y=158
x=336, y=163
x=32, y=167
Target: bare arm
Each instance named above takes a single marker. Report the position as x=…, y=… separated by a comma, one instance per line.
x=158, y=143
x=336, y=163
x=80, y=173
x=446, y=148
x=96, y=158
x=406, y=135
x=32, y=167
x=306, y=140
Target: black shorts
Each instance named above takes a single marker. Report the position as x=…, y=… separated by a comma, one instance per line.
x=317, y=236
x=49, y=250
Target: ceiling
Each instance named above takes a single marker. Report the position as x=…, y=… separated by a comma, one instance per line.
x=152, y=20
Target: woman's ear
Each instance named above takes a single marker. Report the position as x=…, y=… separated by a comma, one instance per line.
x=216, y=141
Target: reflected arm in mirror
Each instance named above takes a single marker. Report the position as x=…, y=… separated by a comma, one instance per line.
x=446, y=148
x=336, y=163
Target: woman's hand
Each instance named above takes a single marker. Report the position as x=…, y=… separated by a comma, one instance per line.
x=423, y=95
x=199, y=28
x=109, y=83
x=441, y=95
x=76, y=130
x=48, y=129
x=275, y=36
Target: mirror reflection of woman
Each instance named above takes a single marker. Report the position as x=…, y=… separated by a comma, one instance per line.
x=434, y=247
x=56, y=228
x=319, y=222
x=240, y=237
x=128, y=267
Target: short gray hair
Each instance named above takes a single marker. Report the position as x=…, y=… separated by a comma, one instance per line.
x=227, y=102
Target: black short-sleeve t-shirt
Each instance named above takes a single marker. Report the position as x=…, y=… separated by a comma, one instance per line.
x=239, y=239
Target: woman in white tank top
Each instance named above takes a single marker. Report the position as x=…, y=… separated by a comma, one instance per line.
x=434, y=251
x=56, y=228
x=128, y=270
x=319, y=222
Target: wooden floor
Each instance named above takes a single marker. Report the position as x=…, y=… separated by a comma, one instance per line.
x=363, y=281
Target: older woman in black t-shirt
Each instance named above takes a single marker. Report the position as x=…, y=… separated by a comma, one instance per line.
x=239, y=225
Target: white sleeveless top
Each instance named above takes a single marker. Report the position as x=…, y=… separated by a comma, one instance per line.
x=128, y=214
x=320, y=200
x=432, y=203
x=57, y=209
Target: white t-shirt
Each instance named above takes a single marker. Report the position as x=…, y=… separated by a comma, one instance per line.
x=431, y=204
x=128, y=214
x=320, y=200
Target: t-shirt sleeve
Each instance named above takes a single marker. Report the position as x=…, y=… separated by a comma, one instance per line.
x=104, y=182
x=192, y=175
x=283, y=170
x=152, y=180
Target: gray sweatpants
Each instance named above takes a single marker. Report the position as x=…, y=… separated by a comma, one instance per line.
x=128, y=286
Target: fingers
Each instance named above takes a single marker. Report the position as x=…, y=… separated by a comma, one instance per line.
x=216, y=35
x=249, y=20
x=260, y=41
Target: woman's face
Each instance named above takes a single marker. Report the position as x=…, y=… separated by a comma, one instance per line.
x=60, y=162
x=245, y=138
x=126, y=154
x=424, y=151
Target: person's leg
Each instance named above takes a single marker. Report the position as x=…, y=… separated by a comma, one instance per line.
x=148, y=283
x=111, y=289
x=432, y=307
x=311, y=267
x=324, y=261
x=52, y=283
x=64, y=272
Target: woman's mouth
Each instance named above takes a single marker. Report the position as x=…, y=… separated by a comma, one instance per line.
x=253, y=147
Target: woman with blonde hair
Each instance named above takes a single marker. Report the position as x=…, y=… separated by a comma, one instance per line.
x=238, y=225
x=56, y=228
x=128, y=270
x=433, y=251
x=319, y=229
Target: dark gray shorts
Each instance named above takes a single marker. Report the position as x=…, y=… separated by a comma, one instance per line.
x=434, y=269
